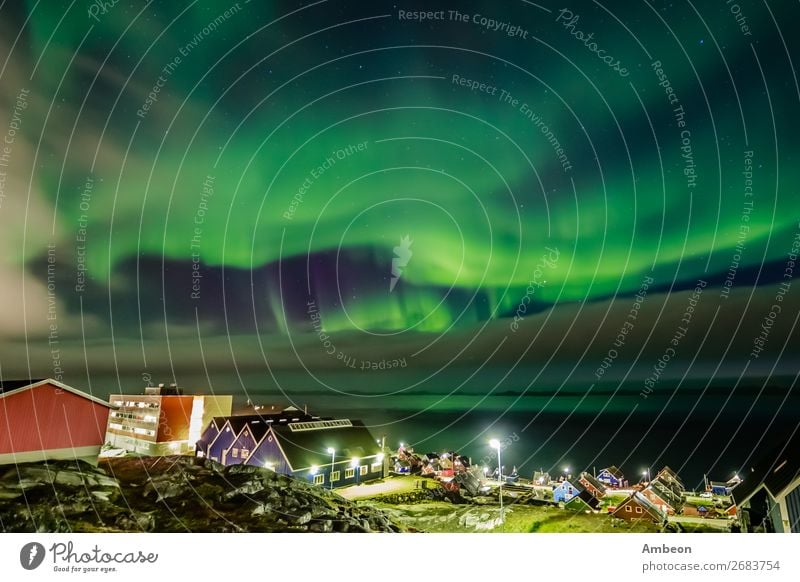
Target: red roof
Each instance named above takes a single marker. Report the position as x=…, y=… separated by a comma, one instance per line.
x=49, y=415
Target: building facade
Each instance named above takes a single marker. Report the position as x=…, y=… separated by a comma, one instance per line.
x=612, y=477
x=162, y=421
x=47, y=420
x=330, y=453
x=768, y=496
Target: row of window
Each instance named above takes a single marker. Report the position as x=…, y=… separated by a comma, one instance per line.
x=135, y=404
x=134, y=429
x=318, y=424
x=237, y=453
x=134, y=416
x=348, y=473
x=628, y=509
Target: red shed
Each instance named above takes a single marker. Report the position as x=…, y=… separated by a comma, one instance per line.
x=45, y=419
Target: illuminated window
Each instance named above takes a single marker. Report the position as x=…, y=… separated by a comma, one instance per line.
x=235, y=453
x=376, y=467
x=245, y=453
x=363, y=469
x=348, y=473
x=319, y=479
x=335, y=476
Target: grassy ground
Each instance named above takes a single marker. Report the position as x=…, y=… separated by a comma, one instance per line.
x=388, y=486
x=613, y=499
x=439, y=517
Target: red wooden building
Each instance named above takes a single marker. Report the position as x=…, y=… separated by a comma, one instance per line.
x=45, y=419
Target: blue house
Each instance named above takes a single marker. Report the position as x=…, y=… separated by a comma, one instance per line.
x=218, y=448
x=217, y=439
x=208, y=435
x=566, y=490
x=612, y=477
x=719, y=488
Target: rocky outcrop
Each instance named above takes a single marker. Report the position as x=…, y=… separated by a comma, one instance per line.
x=172, y=494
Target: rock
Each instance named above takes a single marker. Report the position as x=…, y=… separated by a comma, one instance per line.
x=324, y=526
x=303, y=518
x=174, y=494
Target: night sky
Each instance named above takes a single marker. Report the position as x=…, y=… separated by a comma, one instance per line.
x=575, y=222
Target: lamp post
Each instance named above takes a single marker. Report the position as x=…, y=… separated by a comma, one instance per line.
x=332, y=452
x=495, y=444
x=646, y=473
x=354, y=463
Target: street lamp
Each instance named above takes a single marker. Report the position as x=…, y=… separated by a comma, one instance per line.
x=495, y=444
x=646, y=473
x=354, y=463
x=332, y=453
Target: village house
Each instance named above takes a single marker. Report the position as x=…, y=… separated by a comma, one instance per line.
x=568, y=490
x=47, y=420
x=541, y=478
x=670, y=478
x=768, y=497
x=162, y=421
x=216, y=440
x=612, y=477
x=637, y=506
x=664, y=496
x=583, y=501
x=330, y=453
x=718, y=487
x=595, y=487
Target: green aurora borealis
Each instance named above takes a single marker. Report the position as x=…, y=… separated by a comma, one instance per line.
x=186, y=187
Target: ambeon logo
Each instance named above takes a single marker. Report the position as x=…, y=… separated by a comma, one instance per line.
x=31, y=555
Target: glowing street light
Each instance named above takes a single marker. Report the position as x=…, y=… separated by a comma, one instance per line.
x=495, y=444
x=332, y=453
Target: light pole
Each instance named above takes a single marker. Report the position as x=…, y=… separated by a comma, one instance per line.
x=332, y=452
x=646, y=473
x=495, y=444
x=354, y=463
